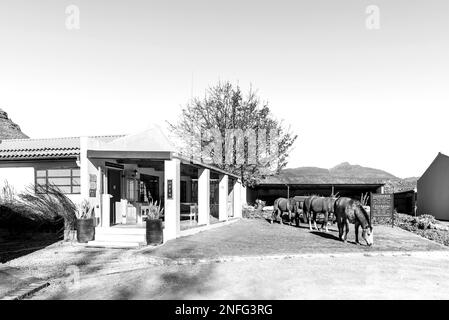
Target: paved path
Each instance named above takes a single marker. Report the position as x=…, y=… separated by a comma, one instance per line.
x=13, y=278
x=258, y=237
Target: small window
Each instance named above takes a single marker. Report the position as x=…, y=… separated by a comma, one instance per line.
x=66, y=180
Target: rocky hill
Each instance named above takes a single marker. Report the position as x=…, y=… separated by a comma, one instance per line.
x=343, y=170
x=344, y=173
x=8, y=129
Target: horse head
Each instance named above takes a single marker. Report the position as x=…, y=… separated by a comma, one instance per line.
x=367, y=232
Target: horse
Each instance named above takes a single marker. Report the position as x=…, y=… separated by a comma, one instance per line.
x=284, y=205
x=314, y=205
x=351, y=211
x=300, y=209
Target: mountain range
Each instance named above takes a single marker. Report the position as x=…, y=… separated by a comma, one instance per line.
x=344, y=173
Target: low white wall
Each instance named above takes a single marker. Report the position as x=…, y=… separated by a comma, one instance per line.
x=18, y=178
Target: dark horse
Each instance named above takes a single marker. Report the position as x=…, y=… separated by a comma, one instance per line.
x=285, y=205
x=300, y=209
x=351, y=211
x=314, y=205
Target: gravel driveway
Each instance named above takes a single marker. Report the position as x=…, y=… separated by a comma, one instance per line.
x=247, y=249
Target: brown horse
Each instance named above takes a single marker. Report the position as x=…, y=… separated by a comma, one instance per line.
x=284, y=205
x=314, y=205
x=351, y=211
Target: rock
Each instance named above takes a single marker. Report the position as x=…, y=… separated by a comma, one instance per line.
x=9, y=129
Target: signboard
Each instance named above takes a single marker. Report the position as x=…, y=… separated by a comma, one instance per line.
x=382, y=205
x=169, y=189
x=92, y=185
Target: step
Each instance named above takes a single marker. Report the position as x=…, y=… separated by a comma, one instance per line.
x=115, y=230
x=120, y=237
x=113, y=244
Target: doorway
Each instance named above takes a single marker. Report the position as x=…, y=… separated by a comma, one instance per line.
x=115, y=190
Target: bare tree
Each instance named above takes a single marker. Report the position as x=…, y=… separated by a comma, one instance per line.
x=230, y=130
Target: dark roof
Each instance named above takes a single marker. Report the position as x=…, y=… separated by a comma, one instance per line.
x=24, y=149
x=318, y=180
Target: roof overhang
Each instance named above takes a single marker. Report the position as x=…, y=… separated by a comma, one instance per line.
x=118, y=154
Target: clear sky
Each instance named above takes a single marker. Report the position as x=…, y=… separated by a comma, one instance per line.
x=377, y=98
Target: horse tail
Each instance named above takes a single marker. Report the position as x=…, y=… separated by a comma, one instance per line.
x=275, y=205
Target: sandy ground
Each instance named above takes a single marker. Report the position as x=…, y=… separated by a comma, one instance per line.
x=325, y=277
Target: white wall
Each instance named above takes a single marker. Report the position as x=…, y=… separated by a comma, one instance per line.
x=18, y=178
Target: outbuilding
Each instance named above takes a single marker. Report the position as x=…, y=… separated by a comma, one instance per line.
x=433, y=189
x=273, y=187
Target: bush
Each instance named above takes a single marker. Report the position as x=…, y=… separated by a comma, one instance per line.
x=424, y=225
x=34, y=209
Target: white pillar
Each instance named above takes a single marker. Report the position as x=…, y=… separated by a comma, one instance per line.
x=237, y=199
x=203, y=196
x=243, y=198
x=106, y=211
x=223, y=198
x=172, y=208
x=84, y=168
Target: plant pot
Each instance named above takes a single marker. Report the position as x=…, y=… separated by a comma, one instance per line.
x=69, y=235
x=154, y=231
x=85, y=230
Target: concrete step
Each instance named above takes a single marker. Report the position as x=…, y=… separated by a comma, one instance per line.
x=113, y=244
x=120, y=237
x=120, y=230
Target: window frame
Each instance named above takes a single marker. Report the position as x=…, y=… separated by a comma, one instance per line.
x=72, y=186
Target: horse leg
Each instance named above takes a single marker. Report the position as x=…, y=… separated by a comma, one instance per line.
x=309, y=217
x=340, y=230
x=297, y=218
x=314, y=221
x=356, y=227
x=347, y=229
x=325, y=222
x=280, y=216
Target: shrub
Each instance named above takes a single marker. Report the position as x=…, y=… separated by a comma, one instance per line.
x=425, y=225
x=155, y=210
x=85, y=210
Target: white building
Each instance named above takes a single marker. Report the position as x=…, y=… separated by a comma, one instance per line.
x=116, y=172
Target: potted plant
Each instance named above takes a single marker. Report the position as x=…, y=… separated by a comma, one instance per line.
x=85, y=228
x=154, y=224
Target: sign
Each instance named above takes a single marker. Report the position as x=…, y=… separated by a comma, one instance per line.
x=382, y=205
x=170, y=189
x=92, y=185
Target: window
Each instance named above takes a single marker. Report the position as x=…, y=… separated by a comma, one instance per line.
x=131, y=186
x=66, y=180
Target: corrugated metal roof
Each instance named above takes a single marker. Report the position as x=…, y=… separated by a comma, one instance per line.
x=24, y=149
